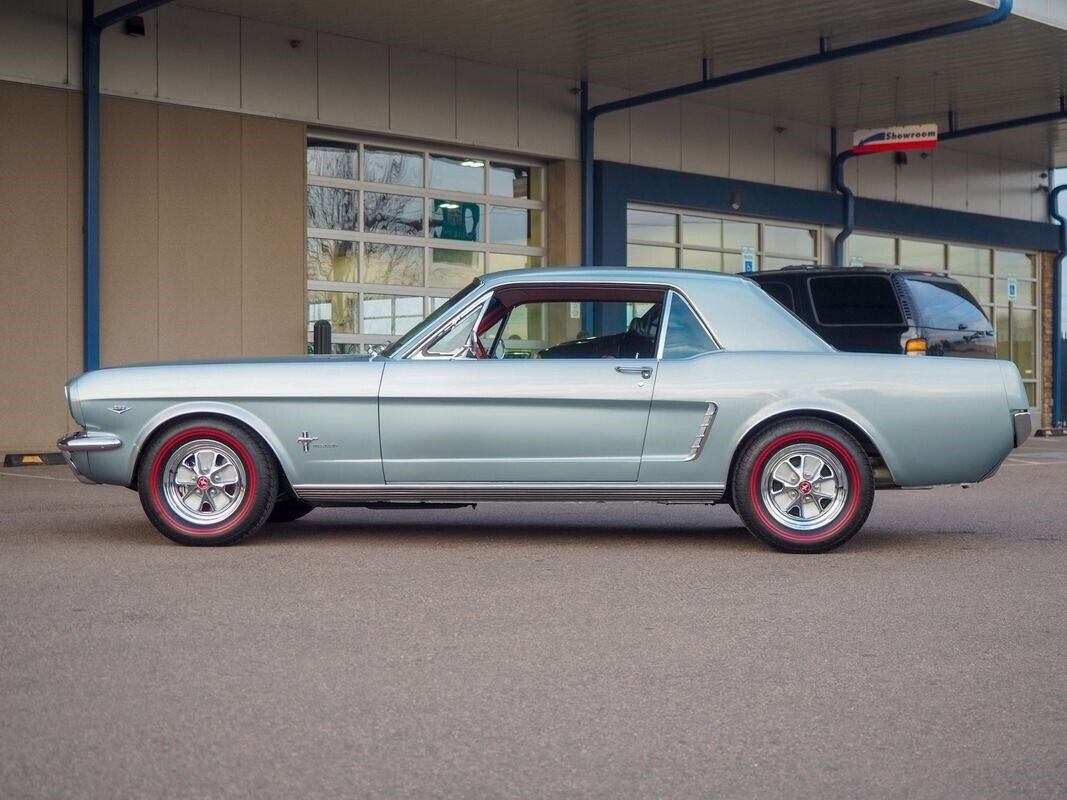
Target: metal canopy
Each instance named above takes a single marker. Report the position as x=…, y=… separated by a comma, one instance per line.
x=1017, y=69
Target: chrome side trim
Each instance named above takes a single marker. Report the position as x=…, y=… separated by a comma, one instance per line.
x=82, y=442
x=702, y=432
x=516, y=492
x=1022, y=426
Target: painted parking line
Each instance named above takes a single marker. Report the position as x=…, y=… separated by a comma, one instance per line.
x=38, y=477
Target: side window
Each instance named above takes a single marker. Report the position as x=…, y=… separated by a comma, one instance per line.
x=685, y=335
x=780, y=292
x=855, y=300
x=454, y=340
x=944, y=305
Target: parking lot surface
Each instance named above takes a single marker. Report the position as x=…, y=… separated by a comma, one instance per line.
x=522, y=650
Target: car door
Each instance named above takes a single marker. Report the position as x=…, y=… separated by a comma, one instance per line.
x=558, y=413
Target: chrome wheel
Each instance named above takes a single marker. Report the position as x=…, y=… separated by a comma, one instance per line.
x=804, y=486
x=204, y=482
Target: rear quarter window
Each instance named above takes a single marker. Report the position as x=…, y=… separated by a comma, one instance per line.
x=781, y=292
x=855, y=300
x=946, y=306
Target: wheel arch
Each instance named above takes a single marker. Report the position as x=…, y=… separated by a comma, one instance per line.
x=178, y=414
x=883, y=475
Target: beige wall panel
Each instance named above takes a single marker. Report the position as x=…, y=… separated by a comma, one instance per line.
x=983, y=184
x=487, y=106
x=129, y=231
x=751, y=147
x=1015, y=189
x=915, y=180
x=33, y=39
x=75, y=246
x=612, y=140
x=33, y=265
x=74, y=43
x=199, y=233
x=353, y=82
x=798, y=158
x=275, y=76
x=564, y=210
x=128, y=63
x=422, y=93
x=705, y=139
x=950, y=178
x=1039, y=199
x=656, y=135
x=877, y=177
x=199, y=57
x=548, y=115
x=272, y=236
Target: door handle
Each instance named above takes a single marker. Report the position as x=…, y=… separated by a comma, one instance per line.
x=644, y=372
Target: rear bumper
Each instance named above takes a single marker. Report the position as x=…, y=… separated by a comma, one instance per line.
x=82, y=442
x=1022, y=426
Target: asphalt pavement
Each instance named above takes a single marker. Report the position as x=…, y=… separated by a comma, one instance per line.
x=522, y=650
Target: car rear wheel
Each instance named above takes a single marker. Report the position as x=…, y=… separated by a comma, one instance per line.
x=207, y=482
x=803, y=486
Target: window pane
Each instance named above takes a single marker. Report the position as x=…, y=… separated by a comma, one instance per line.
x=855, y=300
x=628, y=328
x=922, y=255
x=334, y=209
x=769, y=262
x=337, y=307
x=457, y=174
x=1024, y=350
x=651, y=226
x=452, y=219
x=939, y=306
x=332, y=260
x=511, y=180
x=396, y=214
x=389, y=314
x=394, y=264
x=731, y=262
x=736, y=235
x=781, y=292
x=517, y=226
x=332, y=160
x=502, y=261
x=454, y=268
x=685, y=336
x=1025, y=289
x=702, y=231
x=872, y=249
x=1008, y=262
x=788, y=241
x=451, y=340
x=644, y=255
x=968, y=259
x=702, y=259
x=981, y=288
x=392, y=166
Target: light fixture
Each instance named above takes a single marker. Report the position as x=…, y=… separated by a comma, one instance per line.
x=134, y=26
x=448, y=205
x=735, y=200
x=472, y=162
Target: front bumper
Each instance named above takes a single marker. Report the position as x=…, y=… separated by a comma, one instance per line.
x=82, y=442
x=1022, y=426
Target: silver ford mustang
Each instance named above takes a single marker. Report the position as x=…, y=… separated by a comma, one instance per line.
x=589, y=384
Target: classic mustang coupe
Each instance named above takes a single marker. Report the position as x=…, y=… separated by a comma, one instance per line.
x=588, y=384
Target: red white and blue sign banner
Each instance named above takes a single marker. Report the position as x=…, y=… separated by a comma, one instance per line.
x=901, y=137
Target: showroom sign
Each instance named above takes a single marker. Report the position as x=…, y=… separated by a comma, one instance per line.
x=900, y=137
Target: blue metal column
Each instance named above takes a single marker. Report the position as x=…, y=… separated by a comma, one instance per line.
x=1059, y=289
x=824, y=56
x=92, y=27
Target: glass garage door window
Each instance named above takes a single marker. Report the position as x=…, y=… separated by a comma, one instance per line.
x=393, y=231
x=986, y=273
x=661, y=237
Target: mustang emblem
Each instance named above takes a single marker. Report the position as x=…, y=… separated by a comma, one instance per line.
x=306, y=439
x=119, y=409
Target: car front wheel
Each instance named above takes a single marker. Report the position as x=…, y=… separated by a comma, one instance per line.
x=207, y=482
x=803, y=486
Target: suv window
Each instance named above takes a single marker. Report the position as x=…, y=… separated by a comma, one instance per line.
x=946, y=306
x=781, y=292
x=855, y=300
x=686, y=337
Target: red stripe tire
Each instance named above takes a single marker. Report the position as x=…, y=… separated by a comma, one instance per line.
x=803, y=485
x=207, y=482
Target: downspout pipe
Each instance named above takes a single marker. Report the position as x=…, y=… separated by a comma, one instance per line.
x=92, y=28
x=1059, y=287
x=848, y=200
x=824, y=56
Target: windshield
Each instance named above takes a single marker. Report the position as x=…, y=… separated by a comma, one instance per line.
x=431, y=320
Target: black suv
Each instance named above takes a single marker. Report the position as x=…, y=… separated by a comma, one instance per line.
x=875, y=310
